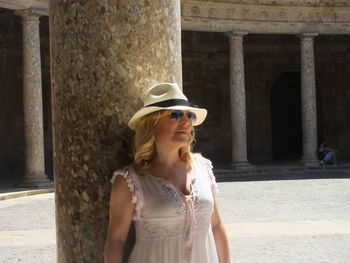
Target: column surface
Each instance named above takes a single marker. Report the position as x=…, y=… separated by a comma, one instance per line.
x=238, y=105
x=308, y=100
x=32, y=102
x=104, y=56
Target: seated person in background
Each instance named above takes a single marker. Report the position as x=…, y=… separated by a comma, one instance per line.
x=328, y=155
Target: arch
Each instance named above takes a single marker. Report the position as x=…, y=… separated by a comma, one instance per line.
x=286, y=122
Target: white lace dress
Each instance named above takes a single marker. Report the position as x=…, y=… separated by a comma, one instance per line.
x=171, y=227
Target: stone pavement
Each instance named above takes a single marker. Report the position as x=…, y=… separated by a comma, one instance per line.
x=276, y=167
x=8, y=191
x=268, y=221
x=294, y=221
x=27, y=229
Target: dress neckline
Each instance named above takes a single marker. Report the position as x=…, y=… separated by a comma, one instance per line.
x=170, y=184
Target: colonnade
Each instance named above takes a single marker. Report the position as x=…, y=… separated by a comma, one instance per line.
x=33, y=115
x=238, y=105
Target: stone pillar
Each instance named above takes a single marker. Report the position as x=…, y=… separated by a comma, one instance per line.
x=104, y=56
x=308, y=100
x=238, y=105
x=32, y=102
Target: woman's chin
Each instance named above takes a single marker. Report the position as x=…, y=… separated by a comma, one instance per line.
x=181, y=141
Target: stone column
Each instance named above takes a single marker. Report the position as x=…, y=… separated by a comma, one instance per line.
x=32, y=102
x=104, y=56
x=308, y=100
x=238, y=105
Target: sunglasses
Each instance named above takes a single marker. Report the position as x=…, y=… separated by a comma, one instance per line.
x=176, y=115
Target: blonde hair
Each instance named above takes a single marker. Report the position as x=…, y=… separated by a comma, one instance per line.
x=144, y=142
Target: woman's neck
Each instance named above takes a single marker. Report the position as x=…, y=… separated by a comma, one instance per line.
x=166, y=157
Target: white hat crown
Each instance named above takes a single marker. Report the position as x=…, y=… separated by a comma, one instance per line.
x=163, y=92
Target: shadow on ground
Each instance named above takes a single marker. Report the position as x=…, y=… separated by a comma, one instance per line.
x=299, y=175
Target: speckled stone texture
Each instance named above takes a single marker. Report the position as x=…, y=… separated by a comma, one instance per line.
x=238, y=106
x=32, y=102
x=104, y=56
x=308, y=100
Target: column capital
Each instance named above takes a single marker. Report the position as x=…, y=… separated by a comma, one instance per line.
x=236, y=34
x=307, y=36
x=29, y=14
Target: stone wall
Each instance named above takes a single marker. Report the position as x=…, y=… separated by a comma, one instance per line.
x=333, y=67
x=267, y=57
x=266, y=16
x=42, y=6
x=206, y=83
x=11, y=113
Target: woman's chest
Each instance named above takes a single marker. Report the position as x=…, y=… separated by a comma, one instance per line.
x=162, y=199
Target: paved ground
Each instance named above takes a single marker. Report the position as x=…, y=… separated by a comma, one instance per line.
x=301, y=221
x=27, y=231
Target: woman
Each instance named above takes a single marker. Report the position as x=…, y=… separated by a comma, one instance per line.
x=168, y=191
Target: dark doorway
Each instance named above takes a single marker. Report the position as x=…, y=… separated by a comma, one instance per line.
x=286, y=117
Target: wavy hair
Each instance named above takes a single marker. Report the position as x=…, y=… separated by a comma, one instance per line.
x=144, y=142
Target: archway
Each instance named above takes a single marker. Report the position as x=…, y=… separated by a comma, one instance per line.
x=286, y=117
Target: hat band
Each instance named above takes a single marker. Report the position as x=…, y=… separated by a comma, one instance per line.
x=172, y=102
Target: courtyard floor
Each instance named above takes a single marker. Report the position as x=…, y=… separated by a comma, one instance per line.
x=278, y=218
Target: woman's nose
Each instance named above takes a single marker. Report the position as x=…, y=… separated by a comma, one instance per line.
x=185, y=120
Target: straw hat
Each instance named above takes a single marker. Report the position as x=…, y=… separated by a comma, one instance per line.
x=165, y=96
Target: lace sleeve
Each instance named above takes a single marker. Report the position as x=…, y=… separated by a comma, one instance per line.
x=134, y=185
x=209, y=167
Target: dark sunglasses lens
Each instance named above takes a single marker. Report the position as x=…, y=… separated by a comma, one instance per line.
x=176, y=115
x=191, y=116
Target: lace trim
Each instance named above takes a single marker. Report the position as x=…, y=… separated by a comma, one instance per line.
x=209, y=166
x=159, y=228
x=135, y=188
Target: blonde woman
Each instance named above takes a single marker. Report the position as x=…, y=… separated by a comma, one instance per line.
x=168, y=191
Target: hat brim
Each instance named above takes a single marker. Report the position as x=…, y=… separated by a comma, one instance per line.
x=200, y=113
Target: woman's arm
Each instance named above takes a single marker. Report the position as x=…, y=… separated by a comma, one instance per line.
x=220, y=236
x=121, y=211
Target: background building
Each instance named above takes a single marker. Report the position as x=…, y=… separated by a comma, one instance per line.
x=272, y=38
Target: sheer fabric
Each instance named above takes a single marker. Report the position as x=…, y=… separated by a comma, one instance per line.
x=171, y=227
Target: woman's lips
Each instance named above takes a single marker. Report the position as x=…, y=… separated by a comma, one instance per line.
x=183, y=132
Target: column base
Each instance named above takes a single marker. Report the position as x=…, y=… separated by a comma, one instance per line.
x=310, y=162
x=35, y=182
x=241, y=165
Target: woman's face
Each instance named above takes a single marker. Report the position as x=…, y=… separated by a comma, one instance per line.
x=173, y=133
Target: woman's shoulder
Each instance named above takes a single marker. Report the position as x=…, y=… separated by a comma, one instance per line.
x=198, y=158
x=132, y=183
x=206, y=166
x=126, y=171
